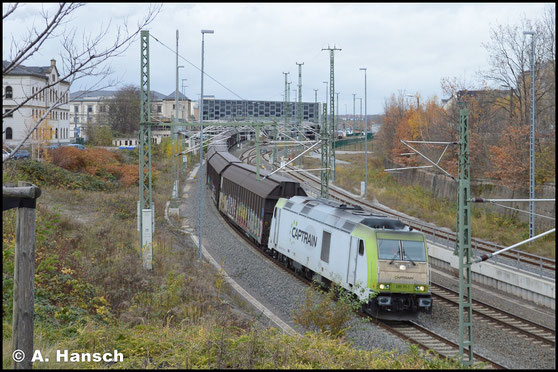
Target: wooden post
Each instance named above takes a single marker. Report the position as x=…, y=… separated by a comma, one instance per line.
x=24, y=198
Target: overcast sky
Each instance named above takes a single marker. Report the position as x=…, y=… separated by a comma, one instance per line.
x=406, y=47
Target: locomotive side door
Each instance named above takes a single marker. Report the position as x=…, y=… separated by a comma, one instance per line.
x=351, y=267
x=276, y=217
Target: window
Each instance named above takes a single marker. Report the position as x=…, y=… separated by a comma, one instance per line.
x=326, y=239
x=360, y=248
x=10, y=115
x=9, y=133
x=406, y=250
x=388, y=249
x=9, y=92
x=89, y=108
x=413, y=250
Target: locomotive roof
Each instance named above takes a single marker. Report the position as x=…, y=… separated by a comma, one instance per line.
x=340, y=215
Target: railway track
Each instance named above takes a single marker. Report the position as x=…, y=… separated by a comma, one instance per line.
x=428, y=340
x=479, y=244
x=407, y=330
x=536, y=333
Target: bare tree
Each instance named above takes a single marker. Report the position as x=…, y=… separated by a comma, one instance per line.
x=80, y=58
x=509, y=58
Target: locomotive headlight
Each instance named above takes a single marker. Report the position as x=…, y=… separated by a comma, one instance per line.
x=384, y=286
x=402, y=267
x=419, y=288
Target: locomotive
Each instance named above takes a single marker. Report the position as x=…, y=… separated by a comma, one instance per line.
x=377, y=258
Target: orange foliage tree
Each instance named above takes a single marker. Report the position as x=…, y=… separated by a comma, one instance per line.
x=97, y=161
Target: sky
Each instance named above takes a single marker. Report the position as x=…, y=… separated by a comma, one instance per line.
x=406, y=48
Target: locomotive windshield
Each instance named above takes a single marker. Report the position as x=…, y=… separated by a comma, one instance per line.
x=406, y=250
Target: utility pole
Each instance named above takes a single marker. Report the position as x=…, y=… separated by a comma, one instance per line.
x=365, y=136
x=331, y=127
x=324, y=172
x=316, y=108
x=464, y=241
x=354, y=114
x=175, y=163
x=286, y=102
x=532, y=140
x=299, y=99
x=145, y=206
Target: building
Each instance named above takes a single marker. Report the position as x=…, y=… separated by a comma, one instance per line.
x=93, y=108
x=227, y=109
x=23, y=82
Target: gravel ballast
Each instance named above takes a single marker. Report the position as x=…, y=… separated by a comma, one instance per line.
x=283, y=294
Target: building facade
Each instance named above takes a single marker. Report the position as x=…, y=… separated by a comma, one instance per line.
x=23, y=82
x=226, y=109
x=92, y=108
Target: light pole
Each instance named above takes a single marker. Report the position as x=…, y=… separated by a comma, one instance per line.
x=532, y=140
x=316, y=105
x=365, y=136
x=203, y=32
x=354, y=113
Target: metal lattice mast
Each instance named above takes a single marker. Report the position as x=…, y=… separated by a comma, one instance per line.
x=532, y=139
x=324, y=172
x=299, y=100
x=331, y=121
x=464, y=242
x=286, y=103
x=145, y=210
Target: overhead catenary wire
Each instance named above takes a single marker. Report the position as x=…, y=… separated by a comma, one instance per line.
x=199, y=69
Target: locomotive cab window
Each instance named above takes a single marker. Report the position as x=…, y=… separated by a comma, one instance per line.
x=413, y=250
x=361, y=248
x=388, y=249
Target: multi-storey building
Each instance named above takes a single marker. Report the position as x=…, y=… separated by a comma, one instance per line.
x=228, y=109
x=23, y=82
x=93, y=108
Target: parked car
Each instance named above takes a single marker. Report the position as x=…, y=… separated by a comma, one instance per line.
x=76, y=145
x=53, y=146
x=22, y=154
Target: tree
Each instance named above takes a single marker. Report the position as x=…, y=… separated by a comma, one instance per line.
x=124, y=110
x=99, y=135
x=509, y=66
x=81, y=57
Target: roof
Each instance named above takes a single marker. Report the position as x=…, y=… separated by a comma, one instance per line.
x=84, y=95
x=339, y=215
x=172, y=97
x=37, y=71
x=220, y=160
x=28, y=70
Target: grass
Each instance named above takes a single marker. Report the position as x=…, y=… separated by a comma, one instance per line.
x=92, y=294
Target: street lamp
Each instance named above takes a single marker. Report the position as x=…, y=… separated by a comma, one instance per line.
x=365, y=136
x=532, y=140
x=203, y=32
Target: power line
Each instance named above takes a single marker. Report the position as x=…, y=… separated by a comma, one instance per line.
x=205, y=73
